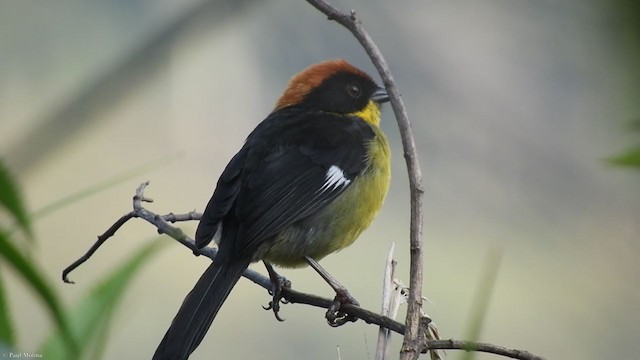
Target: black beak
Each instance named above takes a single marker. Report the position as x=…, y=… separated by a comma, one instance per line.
x=380, y=96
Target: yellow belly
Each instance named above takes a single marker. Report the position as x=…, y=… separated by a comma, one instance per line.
x=341, y=222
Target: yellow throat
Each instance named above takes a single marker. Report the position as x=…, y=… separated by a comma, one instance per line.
x=370, y=113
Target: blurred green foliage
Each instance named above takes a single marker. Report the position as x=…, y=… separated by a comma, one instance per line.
x=482, y=299
x=629, y=157
x=11, y=200
x=81, y=331
x=628, y=27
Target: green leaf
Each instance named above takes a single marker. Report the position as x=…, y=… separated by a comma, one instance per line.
x=37, y=283
x=90, y=319
x=629, y=158
x=7, y=337
x=11, y=200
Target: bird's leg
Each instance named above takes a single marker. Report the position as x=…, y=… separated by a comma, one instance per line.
x=278, y=282
x=334, y=316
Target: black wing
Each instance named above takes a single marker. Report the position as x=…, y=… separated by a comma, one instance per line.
x=293, y=165
x=316, y=157
x=222, y=200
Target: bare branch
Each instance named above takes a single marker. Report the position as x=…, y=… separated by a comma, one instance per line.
x=101, y=239
x=160, y=222
x=411, y=344
x=138, y=211
x=481, y=347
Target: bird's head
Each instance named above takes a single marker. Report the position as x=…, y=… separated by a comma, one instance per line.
x=335, y=86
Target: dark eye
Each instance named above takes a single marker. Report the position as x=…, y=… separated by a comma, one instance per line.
x=354, y=90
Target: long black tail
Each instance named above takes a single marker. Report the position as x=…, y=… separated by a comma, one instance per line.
x=199, y=309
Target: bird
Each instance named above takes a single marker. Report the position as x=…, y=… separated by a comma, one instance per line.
x=308, y=180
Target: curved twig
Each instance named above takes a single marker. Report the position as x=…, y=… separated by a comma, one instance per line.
x=101, y=239
x=414, y=341
x=411, y=344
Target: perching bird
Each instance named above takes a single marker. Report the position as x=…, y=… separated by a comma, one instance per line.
x=308, y=180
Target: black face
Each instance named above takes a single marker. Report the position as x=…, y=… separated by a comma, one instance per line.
x=342, y=93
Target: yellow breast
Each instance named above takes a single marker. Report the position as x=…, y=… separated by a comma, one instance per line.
x=360, y=203
x=340, y=223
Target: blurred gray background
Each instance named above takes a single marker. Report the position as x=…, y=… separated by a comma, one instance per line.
x=515, y=105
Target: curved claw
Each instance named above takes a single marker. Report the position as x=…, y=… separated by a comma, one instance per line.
x=278, y=283
x=337, y=318
x=277, y=314
x=275, y=309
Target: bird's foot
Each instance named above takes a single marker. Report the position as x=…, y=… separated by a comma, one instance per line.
x=335, y=317
x=278, y=283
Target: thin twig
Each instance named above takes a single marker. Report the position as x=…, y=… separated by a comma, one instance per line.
x=138, y=210
x=411, y=343
x=481, y=347
x=101, y=239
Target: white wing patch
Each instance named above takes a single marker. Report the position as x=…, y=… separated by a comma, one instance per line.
x=334, y=178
